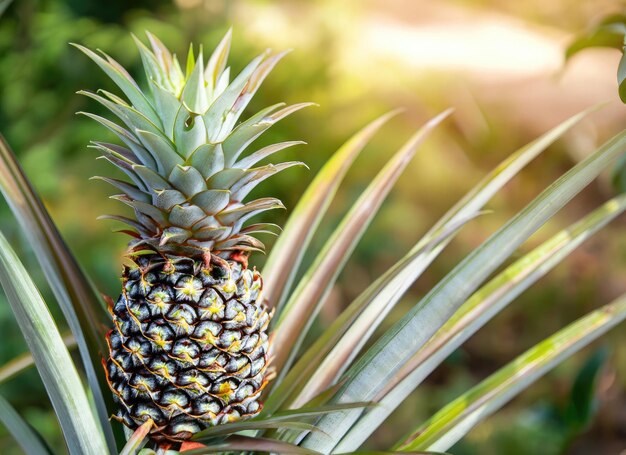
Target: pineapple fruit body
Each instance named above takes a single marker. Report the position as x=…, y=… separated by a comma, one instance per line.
x=189, y=347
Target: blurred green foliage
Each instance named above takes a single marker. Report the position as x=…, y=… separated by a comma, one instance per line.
x=40, y=73
x=610, y=32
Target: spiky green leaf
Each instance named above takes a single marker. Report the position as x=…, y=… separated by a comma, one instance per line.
x=80, y=303
x=22, y=432
x=450, y=424
x=483, y=305
x=308, y=296
x=82, y=432
x=373, y=371
x=123, y=80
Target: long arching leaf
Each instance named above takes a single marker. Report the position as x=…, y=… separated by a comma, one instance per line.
x=470, y=204
x=247, y=425
x=243, y=444
x=82, y=432
x=369, y=311
x=475, y=199
x=24, y=361
x=483, y=305
x=454, y=421
x=72, y=289
x=286, y=255
x=22, y=432
x=316, y=369
x=307, y=298
x=378, y=366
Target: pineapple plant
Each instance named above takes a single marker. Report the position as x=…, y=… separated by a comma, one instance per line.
x=189, y=348
x=188, y=362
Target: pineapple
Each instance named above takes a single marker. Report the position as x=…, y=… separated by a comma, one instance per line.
x=189, y=347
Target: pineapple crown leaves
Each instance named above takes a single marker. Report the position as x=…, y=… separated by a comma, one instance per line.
x=183, y=149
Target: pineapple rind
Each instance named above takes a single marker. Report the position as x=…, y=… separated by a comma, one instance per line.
x=189, y=345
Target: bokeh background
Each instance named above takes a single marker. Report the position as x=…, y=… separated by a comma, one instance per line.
x=499, y=64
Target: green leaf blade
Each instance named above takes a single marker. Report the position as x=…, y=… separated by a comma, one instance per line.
x=124, y=81
x=286, y=255
x=307, y=298
x=243, y=444
x=18, y=364
x=82, y=433
x=457, y=418
x=80, y=303
x=335, y=350
x=477, y=311
x=22, y=432
x=370, y=374
x=466, y=208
